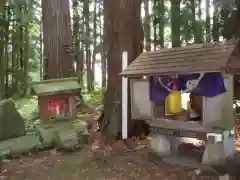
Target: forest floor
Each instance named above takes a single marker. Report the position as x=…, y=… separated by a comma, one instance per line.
x=87, y=164
x=79, y=166
x=98, y=160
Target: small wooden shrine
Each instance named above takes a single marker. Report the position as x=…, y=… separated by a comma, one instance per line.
x=209, y=60
x=57, y=98
x=206, y=71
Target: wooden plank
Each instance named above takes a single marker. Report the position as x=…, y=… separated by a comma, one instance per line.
x=201, y=61
x=200, y=52
x=196, y=47
x=171, y=73
x=186, y=67
x=183, y=126
x=175, y=70
x=183, y=57
x=140, y=102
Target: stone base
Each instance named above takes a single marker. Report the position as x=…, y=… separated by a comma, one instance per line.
x=164, y=146
x=225, y=177
x=214, y=154
x=67, y=140
x=20, y=145
x=218, y=152
x=63, y=135
x=161, y=145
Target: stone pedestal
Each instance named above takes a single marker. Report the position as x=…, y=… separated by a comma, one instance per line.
x=225, y=177
x=161, y=145
x=67, y=140
x=217, y=152
x=214, y=154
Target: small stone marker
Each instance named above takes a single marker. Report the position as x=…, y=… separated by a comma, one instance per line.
x=11, y=123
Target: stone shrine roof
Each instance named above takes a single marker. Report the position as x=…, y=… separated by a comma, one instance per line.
x=56, y=86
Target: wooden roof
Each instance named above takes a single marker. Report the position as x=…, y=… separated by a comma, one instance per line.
x=208, y=57
x=56, y=86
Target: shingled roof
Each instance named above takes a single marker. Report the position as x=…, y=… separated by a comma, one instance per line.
x=56, y=86
x=208, y=57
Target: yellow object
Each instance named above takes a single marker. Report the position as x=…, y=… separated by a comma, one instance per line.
x=174, y=102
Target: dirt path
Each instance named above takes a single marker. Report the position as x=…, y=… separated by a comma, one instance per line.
x=79, y=166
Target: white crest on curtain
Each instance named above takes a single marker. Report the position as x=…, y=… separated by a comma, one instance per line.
x=190, y=84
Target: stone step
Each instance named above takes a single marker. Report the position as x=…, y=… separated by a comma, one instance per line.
x=63, y=135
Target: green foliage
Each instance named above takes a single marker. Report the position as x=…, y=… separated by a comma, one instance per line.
x=94, y=98
x=3, y=23
x=22, y=52
x=20, y=28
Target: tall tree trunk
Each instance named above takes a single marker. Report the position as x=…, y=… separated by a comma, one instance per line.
x=76, y=40
x=41, y=51
x=26, y=60
x=236, y=20
x=124, y=33
x=175, y=23
x=198, y=25
x=227, y=24
x=147, y=26
x=194, y=23
x=14, y=58
x=94, y=43
x=104, y=49
x=87, y=44
x=155, y=22
x=25, y=49
x=208, y=24
x=6, y=64
x=216, y=25
x=2, y=45
x=161, y=23
x=56, y=36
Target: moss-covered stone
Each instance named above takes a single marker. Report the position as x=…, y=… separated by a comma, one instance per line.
x=20, y=145
x=83, y=137
x=11, y=122
x=54, y=86
x=67, y=139
x=64, y=135
x=80, y=127
x=48, y=135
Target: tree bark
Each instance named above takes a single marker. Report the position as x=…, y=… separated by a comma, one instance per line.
x=227, y=24
x=86, y=37
x=155, y=22
x=78, y=55
x=216, y=25
x=147, y=33
x=199, y=28
x=175, y=24
x=124, y=33
x=56, y=35
x=2, y=46
x=208, y=23
x=161, y=23
x=104, y=50
x=94, y=44
x=236, y=20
